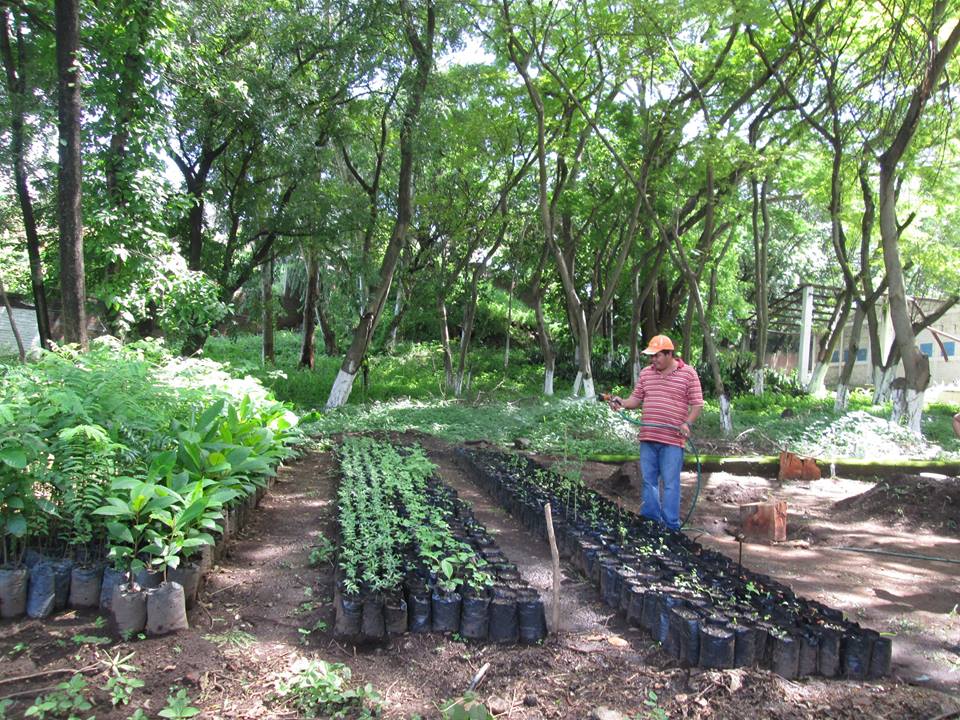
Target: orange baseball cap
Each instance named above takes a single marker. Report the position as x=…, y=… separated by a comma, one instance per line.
x=658, y=343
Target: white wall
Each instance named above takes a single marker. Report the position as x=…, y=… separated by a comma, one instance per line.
x=943, y=371
x=26, y=321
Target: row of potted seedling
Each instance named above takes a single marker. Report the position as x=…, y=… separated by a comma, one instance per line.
x=149, y=537
x=414, y=558
x=704, y=608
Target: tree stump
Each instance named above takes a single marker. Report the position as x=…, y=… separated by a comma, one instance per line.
x=764, y=522
x=794, y=467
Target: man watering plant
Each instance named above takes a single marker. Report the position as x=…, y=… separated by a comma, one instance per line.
x=668, y=391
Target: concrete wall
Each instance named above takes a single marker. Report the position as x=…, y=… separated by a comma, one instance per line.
x=26, y=321
x=943, y=370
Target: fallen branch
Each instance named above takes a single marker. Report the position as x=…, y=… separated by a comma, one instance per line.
x=45, y=673
x=478, y=678
x=947, y=715
x=228, y=587
x=911, y=556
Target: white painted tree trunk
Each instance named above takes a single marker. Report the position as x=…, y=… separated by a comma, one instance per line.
x=588, y=390
x=914, y=411
x=758, y=376
x=899, y=402
x=340, y=392
x=816, y=386
x=637, y=367
x=548, y=382
x=726, y=420
x=578, y=381
x=458, y=385
x=397, y=308
x=881, y=384
x=843, y=397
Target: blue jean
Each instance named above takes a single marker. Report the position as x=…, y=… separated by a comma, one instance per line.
x=659, y=460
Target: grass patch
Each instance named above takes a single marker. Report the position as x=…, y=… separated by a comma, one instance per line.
x=406, y=392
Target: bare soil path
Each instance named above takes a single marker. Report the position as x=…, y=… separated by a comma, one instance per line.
x=264, y=608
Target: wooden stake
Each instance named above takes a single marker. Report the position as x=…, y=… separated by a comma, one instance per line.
x=555, y=554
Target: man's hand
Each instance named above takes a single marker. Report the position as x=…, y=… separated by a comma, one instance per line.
x=684, y=430
x=615, y=403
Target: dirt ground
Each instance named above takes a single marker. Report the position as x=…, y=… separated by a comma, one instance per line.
x=264, y=608
x=830, y=523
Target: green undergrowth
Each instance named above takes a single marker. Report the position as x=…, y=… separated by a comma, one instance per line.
x=413, y=371
x=129, y=452
x=405, y=392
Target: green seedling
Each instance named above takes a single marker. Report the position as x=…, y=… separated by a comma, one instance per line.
x=232, y=638
x=120, y=681
x=67, y=700
x=464, y=708
x=178, y=707
x=653, y=710
x=322, y=689
x=305, y=607
x=91, y=640
x=20, y=647
x=322, y=552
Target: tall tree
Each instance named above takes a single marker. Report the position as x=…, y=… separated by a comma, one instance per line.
x=419, y=33
x=69, y=178
x=932, y=64
x=16, y=63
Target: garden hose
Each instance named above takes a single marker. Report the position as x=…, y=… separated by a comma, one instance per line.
x=693, y=451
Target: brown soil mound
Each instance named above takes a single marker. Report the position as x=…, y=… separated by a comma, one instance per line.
x=918, y=501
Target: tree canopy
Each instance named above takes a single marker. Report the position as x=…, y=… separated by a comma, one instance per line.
x=620, y=170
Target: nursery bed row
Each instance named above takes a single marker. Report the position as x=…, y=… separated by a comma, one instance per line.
x=155, y=601
x=413, y=558
x=701, y=606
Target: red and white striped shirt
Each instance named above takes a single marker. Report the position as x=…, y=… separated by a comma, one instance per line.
x=667, y=398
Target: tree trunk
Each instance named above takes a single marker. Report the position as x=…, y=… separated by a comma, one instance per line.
x=445, y=345
x=423, y=53
x=72, y=280
x=506, y=344
x=853, y=346
x=904, y=335
x=761, y=240
x=329, y=336
x=726, y=421
x=829, y=342
x=640, y=298
x=546, y=345
x=21, y=350
x=633, y=337
x=686, y=341
x=309, y=327
x=466, y=335
x=266, y=298
x=116, y=174
x=398, y=308
x=16, y=89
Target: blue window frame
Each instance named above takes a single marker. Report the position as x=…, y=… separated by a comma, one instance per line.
x=836, y=356
x=862, y=355
x=927, y=349
x=951, y=348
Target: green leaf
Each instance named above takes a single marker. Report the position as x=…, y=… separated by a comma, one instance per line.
x=116, y=508
x=14, y=457
x=16, y=525
x=120, y=531
x=210, y=415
